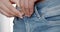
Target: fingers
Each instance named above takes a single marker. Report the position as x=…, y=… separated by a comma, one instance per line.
x=3, y=7
x=27, y=13
x=7, y=7
x=16, y=2
x=5, y=10
x=22, y=6
x=26, y=6
x=5, y=13
x=17, y=13
x=31, y=6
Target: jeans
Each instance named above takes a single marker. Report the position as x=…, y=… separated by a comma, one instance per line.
x=46, y=18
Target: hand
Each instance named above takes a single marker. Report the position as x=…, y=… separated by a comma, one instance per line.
x=27, y=6
x=8, y=10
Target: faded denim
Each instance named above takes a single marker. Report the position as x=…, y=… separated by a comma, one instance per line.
x=46, y=18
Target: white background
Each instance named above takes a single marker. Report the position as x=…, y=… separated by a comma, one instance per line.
x=6, y=24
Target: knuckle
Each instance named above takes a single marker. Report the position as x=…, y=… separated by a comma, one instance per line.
x=17, y=14
x=9, y=16
x=22, y=7
x=30, y=7
x=26, y=8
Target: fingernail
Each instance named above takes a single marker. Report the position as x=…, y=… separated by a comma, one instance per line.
x=20, y=16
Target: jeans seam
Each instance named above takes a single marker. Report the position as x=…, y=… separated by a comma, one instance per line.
x=27, y=26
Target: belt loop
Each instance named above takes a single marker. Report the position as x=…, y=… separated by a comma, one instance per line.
x=38, y=15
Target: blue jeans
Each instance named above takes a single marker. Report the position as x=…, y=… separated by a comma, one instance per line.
x=46, y=18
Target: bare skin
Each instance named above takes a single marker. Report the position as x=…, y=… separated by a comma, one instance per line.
x=8, y=10
x=27, y=6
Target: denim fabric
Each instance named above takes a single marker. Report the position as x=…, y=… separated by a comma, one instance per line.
x=46, y=18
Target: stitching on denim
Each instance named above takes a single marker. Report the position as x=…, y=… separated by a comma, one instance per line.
x=39, y=16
